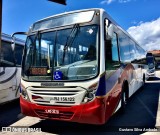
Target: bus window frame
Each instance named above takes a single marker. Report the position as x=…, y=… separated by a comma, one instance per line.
x=107, y=37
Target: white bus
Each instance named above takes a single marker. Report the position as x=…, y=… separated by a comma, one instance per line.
x=79, y=66
x=10, y=68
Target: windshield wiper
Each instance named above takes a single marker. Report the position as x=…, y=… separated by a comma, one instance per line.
x=30, y=50
x=70, y=39
x=34, y=46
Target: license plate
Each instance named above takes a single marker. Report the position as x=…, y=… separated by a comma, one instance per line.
x=63, y=99
x=52, y=111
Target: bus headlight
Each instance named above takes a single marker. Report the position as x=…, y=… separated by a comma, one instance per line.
x=90, y=95
x=24, y=93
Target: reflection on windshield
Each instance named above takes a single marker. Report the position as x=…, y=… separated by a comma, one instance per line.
x=150, y=60
x=73, y=56
x=63, y=20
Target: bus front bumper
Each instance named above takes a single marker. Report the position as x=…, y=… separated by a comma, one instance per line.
x=91, y=112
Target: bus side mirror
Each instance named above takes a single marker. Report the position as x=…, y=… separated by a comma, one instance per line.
x=13, y=43
x=108, y=30
x=14, y=39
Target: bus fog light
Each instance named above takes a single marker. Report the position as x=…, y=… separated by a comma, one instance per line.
x=88, y=97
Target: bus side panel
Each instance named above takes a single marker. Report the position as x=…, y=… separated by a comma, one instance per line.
x=9, y=84
x=114, y=96
x=112, y=101
x=114, y=91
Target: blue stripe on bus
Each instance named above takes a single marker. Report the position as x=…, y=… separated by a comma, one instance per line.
x=102, y=86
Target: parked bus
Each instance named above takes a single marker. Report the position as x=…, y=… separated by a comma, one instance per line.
x=79, y=66
x=151, y=64
x=156, y=55
x=10, y=68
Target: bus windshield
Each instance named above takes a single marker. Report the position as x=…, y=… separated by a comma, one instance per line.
x=150, y=60
x=66, y=54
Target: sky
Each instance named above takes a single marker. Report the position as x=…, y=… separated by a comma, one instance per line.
x=141, y=18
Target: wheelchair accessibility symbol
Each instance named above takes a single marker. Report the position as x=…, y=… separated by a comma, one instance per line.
x=58, y=75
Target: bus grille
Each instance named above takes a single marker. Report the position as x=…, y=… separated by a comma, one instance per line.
x=55, y=92
x=56, y=96
x=61, y=115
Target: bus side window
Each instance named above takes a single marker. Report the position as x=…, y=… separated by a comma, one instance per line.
x=18, y=54
x=111, y=53
x=7, y=55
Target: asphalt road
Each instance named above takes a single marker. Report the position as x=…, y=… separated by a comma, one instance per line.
x=9, y=113
x=141, y=111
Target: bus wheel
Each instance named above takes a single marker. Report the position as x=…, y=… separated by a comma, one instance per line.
x=124, y=97
x=144, y=80
x=123, y=102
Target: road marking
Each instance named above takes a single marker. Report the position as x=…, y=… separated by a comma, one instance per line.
x=157, y=117
x=158, y=114
x=148, y=110
x=26, y=122
x=157, y=74
x=158, y=81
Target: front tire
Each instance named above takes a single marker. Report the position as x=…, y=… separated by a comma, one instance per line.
x=144, y=81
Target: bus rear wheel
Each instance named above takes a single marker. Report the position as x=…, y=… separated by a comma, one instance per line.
x=124, y=98
x=123, y=102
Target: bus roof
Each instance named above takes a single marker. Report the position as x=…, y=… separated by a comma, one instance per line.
x=70, y=12
x=102, y=11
